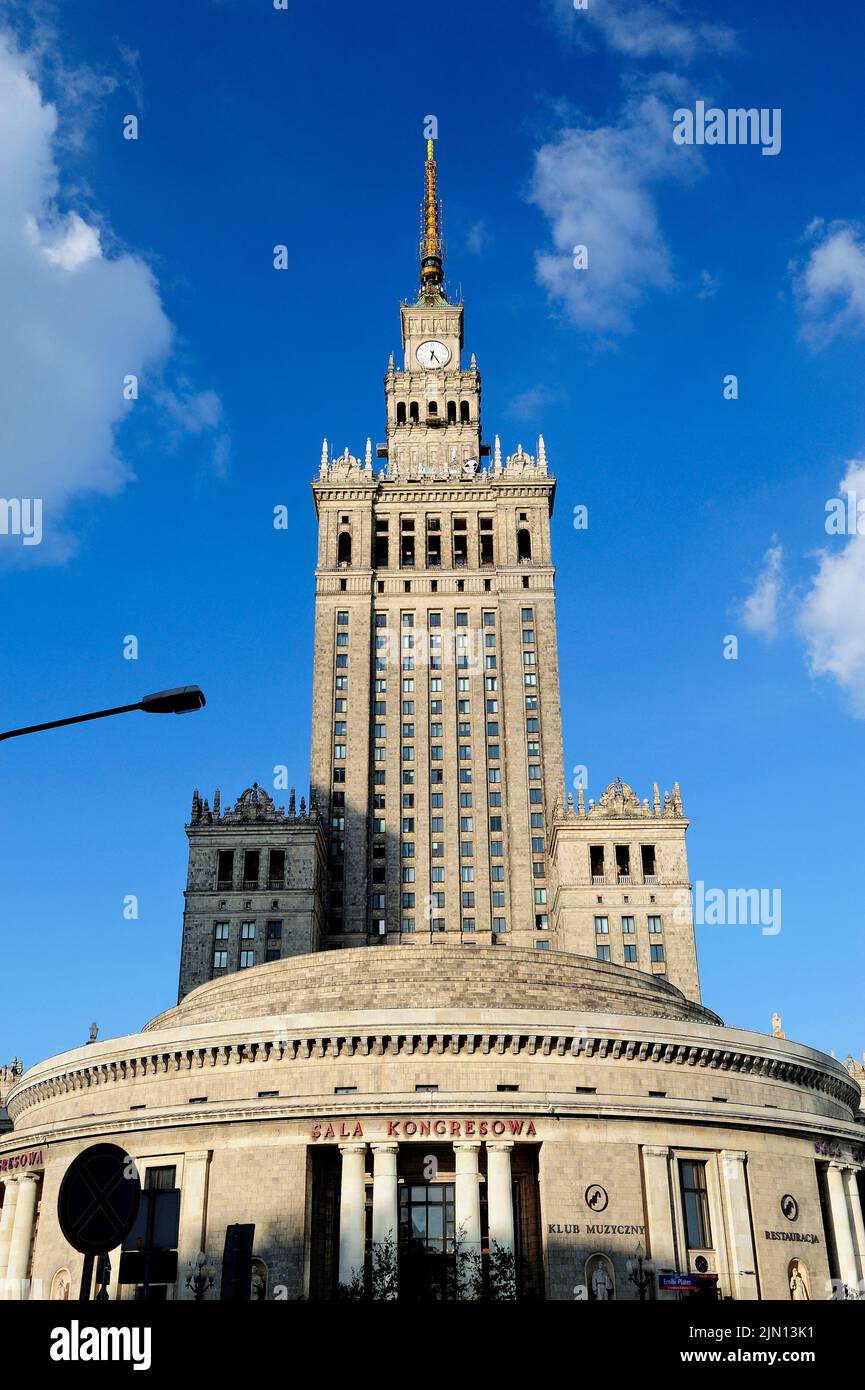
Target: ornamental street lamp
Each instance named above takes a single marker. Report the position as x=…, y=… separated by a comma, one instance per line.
x=199, y=1279
x=640, y=1271
x=182, y=700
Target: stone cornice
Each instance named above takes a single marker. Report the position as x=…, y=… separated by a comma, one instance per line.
x=273, y=1042
x=541, y=1107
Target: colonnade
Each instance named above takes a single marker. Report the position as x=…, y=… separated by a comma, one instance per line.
x=385, y=1198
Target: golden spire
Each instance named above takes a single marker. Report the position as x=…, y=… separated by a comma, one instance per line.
x=431, y=244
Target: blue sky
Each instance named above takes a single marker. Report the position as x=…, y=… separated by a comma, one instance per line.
x=706, y=516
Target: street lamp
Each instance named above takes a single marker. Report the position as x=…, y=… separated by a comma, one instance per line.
x=182, y=700
x=640, y=1271
x=199, y=1279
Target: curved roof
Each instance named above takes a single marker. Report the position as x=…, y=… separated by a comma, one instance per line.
x=429, y=977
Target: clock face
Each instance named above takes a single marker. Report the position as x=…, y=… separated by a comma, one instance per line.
x=433, y=354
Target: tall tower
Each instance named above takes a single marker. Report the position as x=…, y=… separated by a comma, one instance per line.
x=437, y=740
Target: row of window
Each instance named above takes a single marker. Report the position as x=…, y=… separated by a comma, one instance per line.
x=410, y=412
x=602, y=925
x=222, y=931
x=428, y=549
x=252, y=864
x=656, y=952
x=246, y=958
x=625, y=864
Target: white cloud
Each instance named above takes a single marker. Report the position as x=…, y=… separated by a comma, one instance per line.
x=478, y=237
x=832, y=613
x=830, y=287
x=641, y=30
x=74, y=324
x=595, y=185
x=527, y=404
x=708, y=285
x=760, y=609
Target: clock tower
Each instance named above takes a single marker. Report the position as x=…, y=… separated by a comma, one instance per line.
x=437, y=740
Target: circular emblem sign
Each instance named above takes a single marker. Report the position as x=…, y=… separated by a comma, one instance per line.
x=596, y=1197
x=789, y=1207
x=99, y=1198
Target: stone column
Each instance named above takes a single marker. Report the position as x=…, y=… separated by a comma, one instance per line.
x=385, y=1203
x=660, y=1240
x=10, y=1199
x=22, y=1234
x=385, y=1211
x=500, y=1196
x=193, y=1217
x=842, y=1230
x=741, y=1258
x=467, y=1203
x=854, y=1208
x=352, y=1218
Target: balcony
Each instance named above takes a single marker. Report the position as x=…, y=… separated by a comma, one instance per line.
x=276, y=883
x=224, y=885
x=250, y=883
x=623, y=878
x=650, y=878
x=599, y=880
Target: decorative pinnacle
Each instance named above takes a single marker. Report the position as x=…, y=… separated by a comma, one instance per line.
x=431, y=245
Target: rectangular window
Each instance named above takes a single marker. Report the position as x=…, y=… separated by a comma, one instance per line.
x=276, y=867
x=251, y=859
x=220, y=960
x=656, y=952
x=695, y=1204
x=602, y=952
x=602, y=926
x=247, y=931
x=500, y=925
x=654, y=925
x=628, y=925
x=225, y=868
x=274, y=931
x=247, y=959
x=220, y=931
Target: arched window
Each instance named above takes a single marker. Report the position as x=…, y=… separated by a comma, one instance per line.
x=414, y=415
x=400, y=412
x=432, y=408
x=452, y=412
x=343, y=548
x=464, y=412
x=524, y=544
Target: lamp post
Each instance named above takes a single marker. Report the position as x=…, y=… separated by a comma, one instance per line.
x=199, y=1279
x=181, y=700
x=640, y=1271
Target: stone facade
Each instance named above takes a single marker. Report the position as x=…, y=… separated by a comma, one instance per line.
x=521, y=1080
x=436, y=739
x=255, y=885
x=621, y=889
x=296, y=1101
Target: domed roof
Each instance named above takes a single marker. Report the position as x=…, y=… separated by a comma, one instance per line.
x=430, y=977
